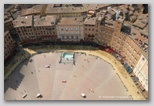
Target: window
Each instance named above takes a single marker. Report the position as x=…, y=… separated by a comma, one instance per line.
x=77, y=32
x=19, y=32
x=47, y=28
x=134, y=50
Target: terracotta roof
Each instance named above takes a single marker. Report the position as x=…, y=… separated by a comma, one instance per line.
x=23, y=21
x=44, y=21
x=84, y=8
x=90, y=21
x=140, y=23
x=34, y=10
x=71, y=21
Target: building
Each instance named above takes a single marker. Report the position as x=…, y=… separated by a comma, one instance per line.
x=104, y=30
x=24, y=28
x=90, y=29
x=8, y=25
x=45, y=28
x=26, y=6
x=36, y=29
x=33, y=10
x=99, y=29
x=133, y=47
x=126, y=41
x=141, y=21
x=71, y=10
x=141, y=71
x=70, y=29
x=9, y=45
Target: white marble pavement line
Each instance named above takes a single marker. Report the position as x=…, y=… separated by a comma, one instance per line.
x=87, y=83
x=96, y=76
x=97, y=92
x=75, y=79
x=30, y=81
x=8, y=95
x=15, y=81
x=15, y=95
x=46, y=75
x=68, y=81
x=68, y=89
x=61, y=74
x=56, y=80
x=24, y=91
x=112, y=89
x=21, y=90
x=24, y=68
x=103, y=69
x=36, y=76
x=11, y=86
x=80, y=88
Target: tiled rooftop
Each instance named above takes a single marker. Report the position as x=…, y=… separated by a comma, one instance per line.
x=35, y=9
x=135, y=35
x=71, y=9
x=44, y=21
x=7, y=17
x=71, y=21
x=90, y=21
x=23, y=21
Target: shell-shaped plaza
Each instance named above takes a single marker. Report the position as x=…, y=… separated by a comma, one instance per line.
x=44, y=74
